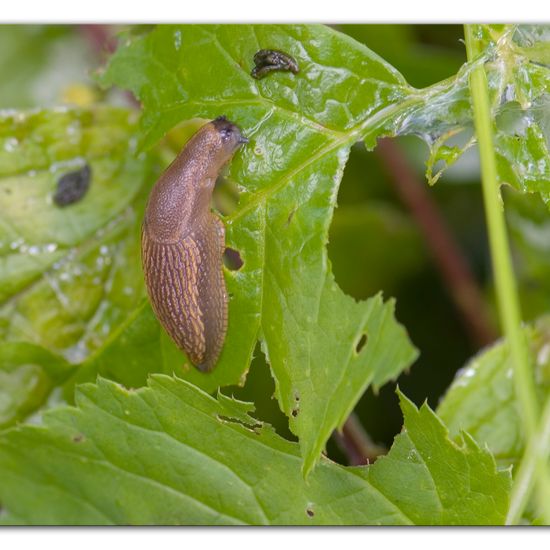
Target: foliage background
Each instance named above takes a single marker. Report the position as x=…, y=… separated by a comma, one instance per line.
x=55, y=64
x=375, y=243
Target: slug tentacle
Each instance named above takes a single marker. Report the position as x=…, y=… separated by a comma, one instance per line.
x=183, y=244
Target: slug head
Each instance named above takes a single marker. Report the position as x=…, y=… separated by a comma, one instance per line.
x=229, y=134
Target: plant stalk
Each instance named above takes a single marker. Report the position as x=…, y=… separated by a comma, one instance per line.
x=505, y=283
x=356, y=443
x=537, y=448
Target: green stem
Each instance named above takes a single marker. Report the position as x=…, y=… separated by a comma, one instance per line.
x=538, y=447
x=505, y=283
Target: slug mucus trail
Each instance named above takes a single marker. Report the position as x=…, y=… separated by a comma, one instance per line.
x=182, y=243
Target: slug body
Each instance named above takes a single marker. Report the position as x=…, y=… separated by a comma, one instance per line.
x=182, y=243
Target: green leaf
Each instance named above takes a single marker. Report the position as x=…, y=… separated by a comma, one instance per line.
x=69, y=274
x=28, y=374
x=139, y=346
x=171, y=454
x=482, y=399
x=301, y=128
x=518, y=83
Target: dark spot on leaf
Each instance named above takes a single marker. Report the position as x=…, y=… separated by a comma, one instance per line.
x=7, y=190
x=290, y=216
x=78, y=438
x=310, y=512
x=71, y=187
x=232, y=259
x=295, y=412
x=361, y=344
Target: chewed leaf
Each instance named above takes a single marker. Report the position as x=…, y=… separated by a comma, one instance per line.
x=301, y=127
x=68, y=279
x=520, y=104
x=170, y=454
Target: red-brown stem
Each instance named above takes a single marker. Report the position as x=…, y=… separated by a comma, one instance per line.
x=100, y=37
x=103, y=43
x=446, y=253
x=356, y=443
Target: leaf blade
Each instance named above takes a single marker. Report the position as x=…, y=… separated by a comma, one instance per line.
x=171, y=454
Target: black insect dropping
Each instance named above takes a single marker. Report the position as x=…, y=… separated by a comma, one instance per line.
x=71, y=187
x=267, y=61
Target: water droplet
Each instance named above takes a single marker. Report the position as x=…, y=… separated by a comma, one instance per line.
x=11, y=144
x=467, y=372
x=543, y=355
x=73, y=128
x=14, y=245
x=177, y=39
x=54, y=285
x=67, y=165
x=509, y=92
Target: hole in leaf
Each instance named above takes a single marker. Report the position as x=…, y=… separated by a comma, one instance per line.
x=361, y=344
x=259, y=381
x=232, y=259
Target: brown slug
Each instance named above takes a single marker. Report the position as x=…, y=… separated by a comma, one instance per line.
x=182, y=243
